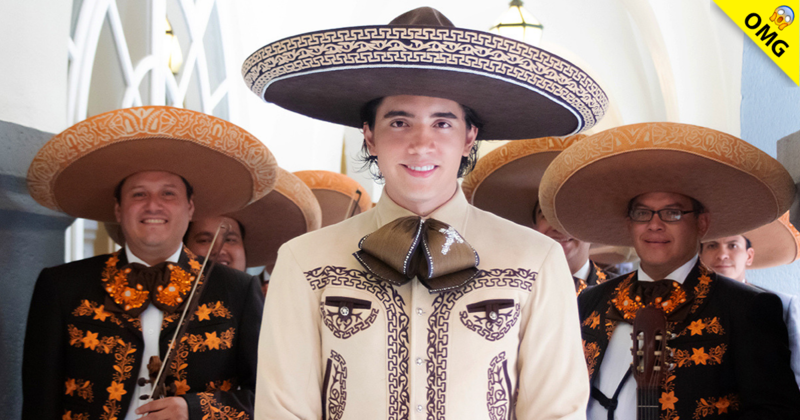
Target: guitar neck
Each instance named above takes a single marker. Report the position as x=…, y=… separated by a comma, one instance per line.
x=647, y=405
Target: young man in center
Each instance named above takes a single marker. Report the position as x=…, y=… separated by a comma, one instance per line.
x=423, y=307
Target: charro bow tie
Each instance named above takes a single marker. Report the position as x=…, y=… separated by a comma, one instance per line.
x=426, y=248
x=668, y=295
x=150, y=280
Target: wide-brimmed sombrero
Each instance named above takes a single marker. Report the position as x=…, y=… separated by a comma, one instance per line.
x=339, y=196
x=77, y=170
x=506, y=180
x=776, y=243
x=519, y=91
x=586, y=189
x=290, y=210
x=612, y=254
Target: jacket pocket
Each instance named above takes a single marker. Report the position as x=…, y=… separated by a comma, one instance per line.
x=491, y=319
x=346, y=316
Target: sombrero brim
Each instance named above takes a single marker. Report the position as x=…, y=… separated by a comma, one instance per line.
x=518, y=90
x=290, y=210
x=338, y=195
x=586, y=190
x=506, y=181
x=611, y=255
x=77, y=170
x=775, y=243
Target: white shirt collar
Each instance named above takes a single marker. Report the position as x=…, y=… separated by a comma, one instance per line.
x=583, y=272
x=134, y=259
x=678, y=275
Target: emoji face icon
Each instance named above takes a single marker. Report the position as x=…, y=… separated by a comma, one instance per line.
x=783, y=17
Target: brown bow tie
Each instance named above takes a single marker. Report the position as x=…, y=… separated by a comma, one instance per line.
x=146, y=285
x=667, y=295
x=412, y=246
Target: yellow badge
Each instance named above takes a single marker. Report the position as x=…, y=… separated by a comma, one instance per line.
x=771, y=25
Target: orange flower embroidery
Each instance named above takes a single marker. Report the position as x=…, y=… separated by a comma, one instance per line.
x=699, y=357
x=591, y=351
x=90, y=341
x=601, y=276
x=100, y=313
x=181, y=387
x=195, y=264
x=226, y=386
x=203, y=313
x=71, y=387
x=668, y=400
x=212, y=341
x=116, y=391
x=697, y=327
x=593, y=321
x=722, y=405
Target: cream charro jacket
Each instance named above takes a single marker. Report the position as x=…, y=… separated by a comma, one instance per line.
x=337, y=344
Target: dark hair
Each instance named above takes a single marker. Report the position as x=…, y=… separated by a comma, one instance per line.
x=369, y=162
x=747, y=244
x=118, y=188
x=189, y=229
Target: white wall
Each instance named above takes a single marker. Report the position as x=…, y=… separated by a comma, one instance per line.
x=34, y=37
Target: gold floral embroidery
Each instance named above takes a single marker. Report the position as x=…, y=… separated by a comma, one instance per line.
x=699, y=356
x=591, y=351
x=580, y=287
x=213, y=410
x=77, y=416
x=169, y=319
x=711, y=406
x=593, y=321
x=80, y=388
x=698, y=327
x=116, y=284
x=668, y=400
x=210, y=341
x=194, y=264
x=702, y=288
x=181, y=387
x=116, y=391
x=218, y=310
x=628, y=306
x=601, y=276
x=96, y=311
x=224, y=386
x=610, y=325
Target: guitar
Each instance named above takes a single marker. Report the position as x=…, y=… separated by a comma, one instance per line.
x=649, y=359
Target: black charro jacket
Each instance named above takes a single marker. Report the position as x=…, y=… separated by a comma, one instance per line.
x=81, y=361
x=596, y=276
x=731, y=353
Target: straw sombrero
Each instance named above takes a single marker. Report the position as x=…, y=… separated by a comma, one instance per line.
x=290, y=210
x=586, y=190
x=612, y=254
x=518, y=90
x=775, y=243
x=506, y=180
x=77, y=170
x=339, y=196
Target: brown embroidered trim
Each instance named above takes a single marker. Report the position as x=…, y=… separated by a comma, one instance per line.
x=591, y=351
x=116, y=284
x=718, y=406
x=498, y=399
x=334, y=388
x=213, y=410
x=592, y=321
x=628, y=306
x=79, y=388
x=217, y=309
x=198, y=343
x=488, y=328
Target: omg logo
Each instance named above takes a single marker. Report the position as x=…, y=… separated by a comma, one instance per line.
x=783, y=16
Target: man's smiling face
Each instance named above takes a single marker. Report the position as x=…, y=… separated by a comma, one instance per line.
x=419, y=142
x=154, y=213
x=665, y=246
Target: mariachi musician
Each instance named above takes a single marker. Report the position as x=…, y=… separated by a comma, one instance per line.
x=94, y=324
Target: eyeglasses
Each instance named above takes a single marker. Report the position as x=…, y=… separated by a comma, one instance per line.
x=666, y=215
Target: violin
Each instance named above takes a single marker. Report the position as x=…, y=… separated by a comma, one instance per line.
x=158, y=370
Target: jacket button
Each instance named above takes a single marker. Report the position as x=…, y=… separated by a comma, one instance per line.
x=493, y=315
x=344, y=311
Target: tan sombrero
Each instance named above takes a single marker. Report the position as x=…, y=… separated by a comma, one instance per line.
x=506, y=180
x=612, y=254
x=586, y=190
x=77, y=170
x=290, y=210
x=518, y=90
x=339, y=196
x=775, y=243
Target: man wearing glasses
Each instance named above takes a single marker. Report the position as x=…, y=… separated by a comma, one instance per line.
x=665, y=192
